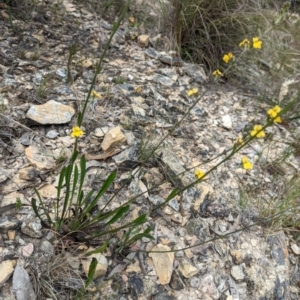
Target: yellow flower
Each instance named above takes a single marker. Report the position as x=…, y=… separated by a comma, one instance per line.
x=192, y=92
x=256, y=43
x=76, y=132
x=199, y=173
x=273, y=114
x=227, y=57
x=217, y=73
x=240, y=141
x=247, y=164
x=96, y=95
x=244, y=43
x=257, y=131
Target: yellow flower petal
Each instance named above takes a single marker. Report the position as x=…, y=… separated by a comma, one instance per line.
x=256, y=43
x=193, y=91
x=244, y=43
x=273, y=113
x=247, y=164
x=278, y=120
x=76, y=132
x=199, y=173
x=257, y=131
x=277, y=108
x=261, y=134
x=240, y=141
x=227, y=57
x=96, y=95
x=217, y=73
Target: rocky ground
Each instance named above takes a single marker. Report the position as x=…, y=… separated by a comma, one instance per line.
x=141, y=94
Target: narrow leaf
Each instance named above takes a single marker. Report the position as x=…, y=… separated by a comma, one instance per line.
x=140, y=220
x=74, y=156
x=138, y=237
x=172, y=195
x=103, y=189
x=100, y=249
x=61, y=180
x=121, y=211
x=75, y=179
x=82, y=169
x=91, y=273
x=35, y=209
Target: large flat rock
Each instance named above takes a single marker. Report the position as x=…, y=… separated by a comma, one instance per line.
x=51, y=112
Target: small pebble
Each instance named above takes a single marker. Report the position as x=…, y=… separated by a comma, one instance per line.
x=195, y=282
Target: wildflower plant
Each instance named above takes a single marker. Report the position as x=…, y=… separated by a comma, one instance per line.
x=75, y=212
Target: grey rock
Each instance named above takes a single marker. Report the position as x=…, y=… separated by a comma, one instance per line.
x=195, y=71
x=188, y=198
x=22, y=284
x=237, y=272
x=194, y=282
x=3, y=175
x=136, y=190
x=208, y=286
x=164, y=80
x=164, y=296
x=199, y=112
x=150, y=287
x=174, y=204
x=52, y=134
x=185, y=81
x=25, y=139
x=125, y=88
x=198, y=227
x=33, y=229
x=170, y=60
x=177, y=281
x=156, y=200
x=136, y=285
x=61, y=73
x=174, y=169
x=9, y=223
x=279, y=253
x=128, y=159
x=47, y=247
x=152, y=53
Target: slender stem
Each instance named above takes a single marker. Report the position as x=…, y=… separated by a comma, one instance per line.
x=99, y=65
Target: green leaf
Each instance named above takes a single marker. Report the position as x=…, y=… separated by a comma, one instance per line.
x=138, y=237
x=35, y=209
x=82, y=169
x=91, y=272
x=100, y=249
x=75, y=179
x=61, y=180
x=79, y=119
x=103, y=189
x=172, y=195
x=140, y=220
x=120, y=212
x=86, y=200
x=74, y=156
x=66, y=201
x=82, y=176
